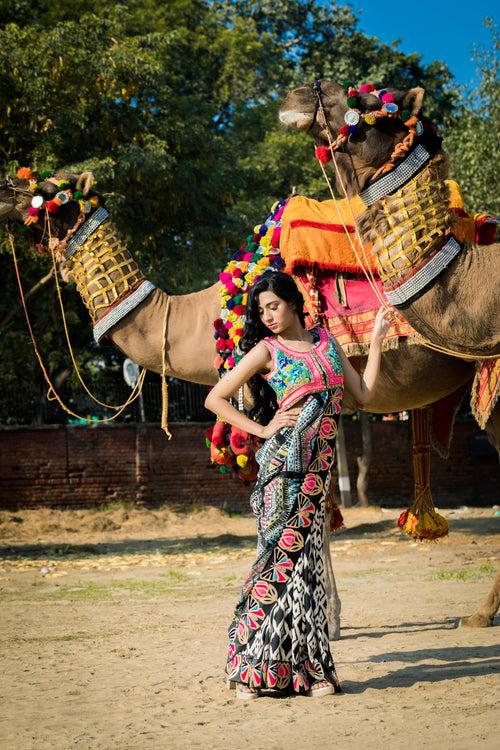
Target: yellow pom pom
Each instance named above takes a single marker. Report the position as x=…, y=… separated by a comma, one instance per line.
x=94, y=201
x=370, y=119
x=242, y=460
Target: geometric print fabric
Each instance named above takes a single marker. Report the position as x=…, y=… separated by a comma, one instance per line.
x=279, y=636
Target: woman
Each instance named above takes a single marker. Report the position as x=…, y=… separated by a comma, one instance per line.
x=279, y=634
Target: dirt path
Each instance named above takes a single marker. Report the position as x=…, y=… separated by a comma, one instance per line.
x=113, y=636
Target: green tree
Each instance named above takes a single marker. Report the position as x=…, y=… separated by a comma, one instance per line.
x=472, y=139
x=173, y=106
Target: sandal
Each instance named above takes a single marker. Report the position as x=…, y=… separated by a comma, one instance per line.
x=245, y=693
x=321, y=688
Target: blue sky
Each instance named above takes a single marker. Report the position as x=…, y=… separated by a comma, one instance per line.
x=442, y=29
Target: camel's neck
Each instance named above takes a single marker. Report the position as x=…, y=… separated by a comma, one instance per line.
x=125, y=306
x=447, y=292
x=407, y=228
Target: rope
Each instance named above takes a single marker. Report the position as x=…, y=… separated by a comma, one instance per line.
x=52, y=394
x=164, y=384
x=367, y=270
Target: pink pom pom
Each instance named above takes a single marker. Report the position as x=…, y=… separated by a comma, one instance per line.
x=228, y=325
x=386, y=98
x=366, y=88
x=248, y=257
x=224, y=276
x=230, y=361
x=33, y=211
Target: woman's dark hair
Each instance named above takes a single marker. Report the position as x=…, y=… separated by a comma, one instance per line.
x=284, y=287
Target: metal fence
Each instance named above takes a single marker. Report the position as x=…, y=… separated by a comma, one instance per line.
x=185, y=403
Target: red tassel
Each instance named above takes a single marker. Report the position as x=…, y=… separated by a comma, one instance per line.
x=323, y=154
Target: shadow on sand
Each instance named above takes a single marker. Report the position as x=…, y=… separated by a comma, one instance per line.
x=129, y=547
x=457, y=665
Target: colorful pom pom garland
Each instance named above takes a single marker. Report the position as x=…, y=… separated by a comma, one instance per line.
x=354, y=118
x=233, y=450
x=259, y=252
x=63, y=197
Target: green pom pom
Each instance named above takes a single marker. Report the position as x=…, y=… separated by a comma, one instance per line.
x=352, y=101
x=46, y=174
x=63, y=184
x=405, y=115
x=77, y=195
x=238, y=299
x=223, y=469
x=346, y=83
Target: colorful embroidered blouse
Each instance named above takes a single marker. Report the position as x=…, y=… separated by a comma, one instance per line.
x=297, y=374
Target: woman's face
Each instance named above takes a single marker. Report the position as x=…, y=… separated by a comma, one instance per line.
x=275, y=313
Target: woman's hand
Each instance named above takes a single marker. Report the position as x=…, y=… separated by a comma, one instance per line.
x=383, y=319
x=285, y=418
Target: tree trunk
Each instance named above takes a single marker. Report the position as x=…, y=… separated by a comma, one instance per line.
x=343, y=469
x=364, y=460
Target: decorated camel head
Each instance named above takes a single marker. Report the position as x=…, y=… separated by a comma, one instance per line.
x=368, y=129
x=53, y=205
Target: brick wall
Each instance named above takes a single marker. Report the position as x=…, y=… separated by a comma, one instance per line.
x=78, y=466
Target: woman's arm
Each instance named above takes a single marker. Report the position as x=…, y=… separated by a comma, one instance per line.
x=217, y=400
x=362, y=387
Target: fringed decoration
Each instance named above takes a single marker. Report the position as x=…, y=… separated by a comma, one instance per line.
x=421, y=521
x=336, y=518
x=312, y=290
x=333, y=512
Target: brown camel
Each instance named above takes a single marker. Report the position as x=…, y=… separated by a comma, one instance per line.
x=459, y=308
x=412, y=376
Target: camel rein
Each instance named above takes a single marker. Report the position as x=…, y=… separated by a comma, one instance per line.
x=52, y=393
x=364, y=264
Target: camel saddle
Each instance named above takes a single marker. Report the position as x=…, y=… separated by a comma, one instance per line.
x=313, y=237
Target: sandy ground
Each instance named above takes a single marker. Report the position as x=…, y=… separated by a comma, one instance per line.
x=113, y=635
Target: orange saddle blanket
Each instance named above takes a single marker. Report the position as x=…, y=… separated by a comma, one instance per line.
x=313, y=236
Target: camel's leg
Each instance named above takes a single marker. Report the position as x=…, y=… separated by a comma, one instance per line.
x=483, y=618
x=332, y=597
x=493, y=428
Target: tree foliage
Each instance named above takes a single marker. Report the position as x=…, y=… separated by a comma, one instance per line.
x=173, y=106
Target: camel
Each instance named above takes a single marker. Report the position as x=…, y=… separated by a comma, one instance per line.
x=456, y=306
x=412, y=376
